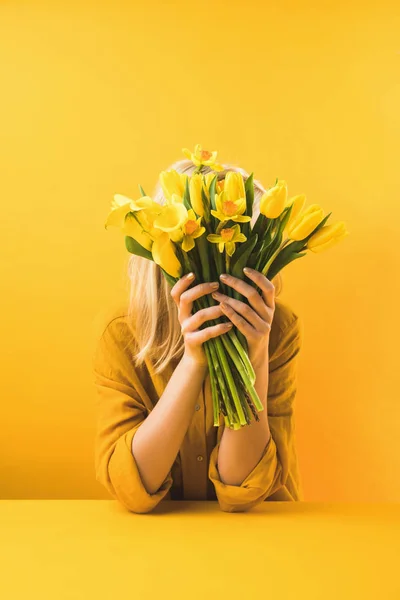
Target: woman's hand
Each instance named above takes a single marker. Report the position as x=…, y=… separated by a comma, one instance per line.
x=193, y=336
x=255, y=323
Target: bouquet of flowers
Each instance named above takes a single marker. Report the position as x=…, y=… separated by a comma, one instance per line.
x=204, y=227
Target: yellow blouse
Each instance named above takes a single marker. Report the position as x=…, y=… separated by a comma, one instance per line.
x=125, y=395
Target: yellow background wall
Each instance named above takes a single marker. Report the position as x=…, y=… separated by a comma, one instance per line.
x=98, y=97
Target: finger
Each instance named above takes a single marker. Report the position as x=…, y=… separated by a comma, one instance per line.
x=266, y=286
x=180, y=286
x=201, y=316
x=190, y=295
x=202, y=335
x=248, y=330
x=249, y=292
x=243, y=309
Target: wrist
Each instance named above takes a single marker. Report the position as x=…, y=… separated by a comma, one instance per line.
x=260, y=360
x=192, y=362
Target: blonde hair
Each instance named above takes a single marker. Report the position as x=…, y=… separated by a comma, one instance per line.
x=152, y=312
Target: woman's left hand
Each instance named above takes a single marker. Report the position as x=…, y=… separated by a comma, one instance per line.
x=255, y=323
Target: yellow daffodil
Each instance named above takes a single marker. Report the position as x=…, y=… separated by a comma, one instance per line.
x=228, y=209
x=171, y=183
x=134, y=229
x=122, y=205
x=172, y=217
x=203, y=157
x=134, y=218
x=164, y=255
x=305, y=222
x=192, y=229
x=297, y=203
x=220, y=185
x=227, y=238
x=327, y=236
x=273, y=201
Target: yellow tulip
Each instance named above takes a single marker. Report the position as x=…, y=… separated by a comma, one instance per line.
x=192, y=229
x=196, y=184
x=327, y=236
x=234, y=186
x=273, y=201
x=164, y=255
x=171, y=183
x=297, y=203
x=228, y=209
x=203, y=157
x=122, y=205
x=306, y=222
x=227, y=238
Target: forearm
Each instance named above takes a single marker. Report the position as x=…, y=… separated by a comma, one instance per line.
x=156, y=443
x=241, y=449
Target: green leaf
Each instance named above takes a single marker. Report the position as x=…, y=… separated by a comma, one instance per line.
x=241, y=261
x=213, y=206
x=135, y=248
x=142, y=190
x=206, y=208
x=278, y=263
x=318, y=227
x=244, y=248
x=249, y=189
x=260, y=225
x=212, y=187
x=171, y=280
x=202, y=248
x=186, y=195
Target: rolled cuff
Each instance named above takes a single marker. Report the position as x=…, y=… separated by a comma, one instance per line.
x=262, y=481
x=127, y=485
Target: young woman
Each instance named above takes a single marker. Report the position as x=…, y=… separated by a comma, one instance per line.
x=155, y=437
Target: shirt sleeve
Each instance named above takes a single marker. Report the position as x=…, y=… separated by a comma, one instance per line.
x=120, y=412
x=277, y=468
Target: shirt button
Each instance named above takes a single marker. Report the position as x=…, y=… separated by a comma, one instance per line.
x=199, y=458
x=197, y=407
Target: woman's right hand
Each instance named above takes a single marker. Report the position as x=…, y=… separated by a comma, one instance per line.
x=194, y=337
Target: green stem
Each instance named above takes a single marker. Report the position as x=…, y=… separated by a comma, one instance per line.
x=243, y=372
x=213, y=381
x=243, y=355
x=220, y=373
x=272, y=258
x=229, y=378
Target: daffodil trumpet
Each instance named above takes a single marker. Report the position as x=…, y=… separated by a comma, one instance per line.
x=205, y=227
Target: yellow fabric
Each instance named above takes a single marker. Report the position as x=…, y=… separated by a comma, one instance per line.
x=126, y=394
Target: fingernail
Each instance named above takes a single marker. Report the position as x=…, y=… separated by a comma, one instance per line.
x=190, y=276
x=223, y=276
x=215, y=284
x=247, y=270
x=227, y=325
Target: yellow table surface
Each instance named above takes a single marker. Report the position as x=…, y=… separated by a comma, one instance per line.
x=94, y=549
